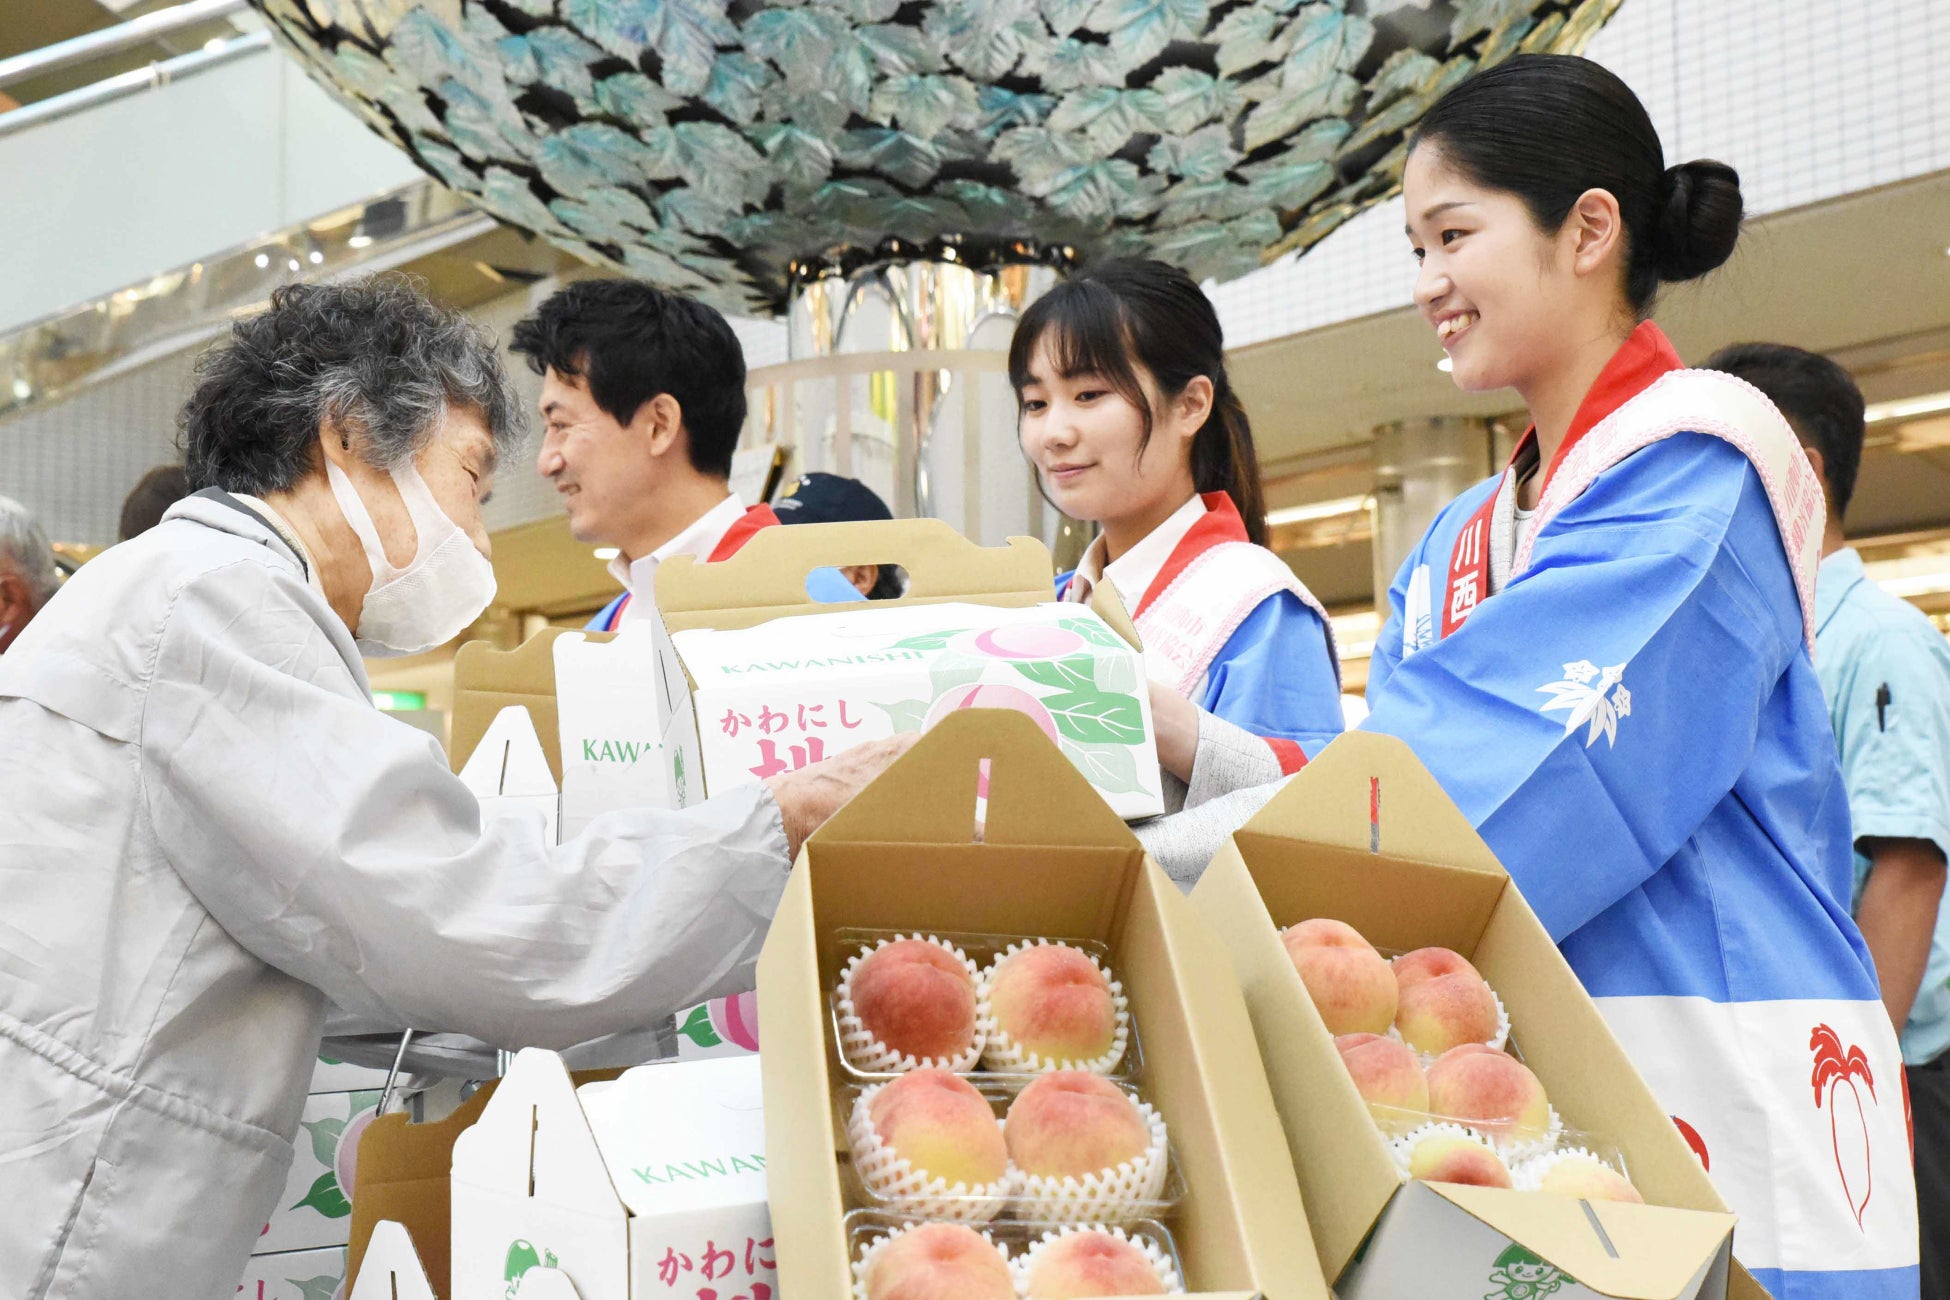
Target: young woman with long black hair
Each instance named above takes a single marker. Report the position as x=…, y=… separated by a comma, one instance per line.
x=1132, y=424
x=1603, y=655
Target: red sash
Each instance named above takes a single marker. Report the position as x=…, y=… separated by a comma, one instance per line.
x=1639, y=362
x=735, y=537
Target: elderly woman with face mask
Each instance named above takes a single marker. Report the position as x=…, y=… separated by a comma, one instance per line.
x=207, y=831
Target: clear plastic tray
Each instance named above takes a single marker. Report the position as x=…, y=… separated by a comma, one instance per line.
x=1017, y=1203
x=983, y=950
x=865, y=1229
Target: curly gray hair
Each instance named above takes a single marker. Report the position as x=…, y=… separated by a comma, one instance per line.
x=371, y=358
x=24, y=546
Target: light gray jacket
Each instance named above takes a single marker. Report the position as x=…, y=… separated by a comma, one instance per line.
x=206, y=830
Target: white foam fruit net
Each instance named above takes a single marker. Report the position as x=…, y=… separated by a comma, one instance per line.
x=893, y=1179
x=1025, y=1261
x=1003, y=1054
x=866, y=1053
x=863, y=1265
x=1129, y=1191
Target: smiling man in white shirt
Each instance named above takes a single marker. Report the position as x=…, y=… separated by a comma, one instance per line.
x=643, y=397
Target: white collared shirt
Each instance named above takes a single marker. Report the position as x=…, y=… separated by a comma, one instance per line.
x=699, y=540
x=1133, y=572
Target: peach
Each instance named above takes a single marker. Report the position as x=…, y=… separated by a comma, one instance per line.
x=942, y=1126
x=1090, y=1263
x=1349, y=982
x=1443, y=1001
x=1489, y=1090
x=1071, y=1123
x=917, y=998
x=1388, y=1077
x=1453, y=1158
x=1588, y=1180
x=939, y=1261
x=1053, y=1000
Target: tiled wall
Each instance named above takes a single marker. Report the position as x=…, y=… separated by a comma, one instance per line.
x=1809, y=99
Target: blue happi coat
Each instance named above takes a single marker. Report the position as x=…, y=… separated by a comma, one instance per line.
x=1634, y=725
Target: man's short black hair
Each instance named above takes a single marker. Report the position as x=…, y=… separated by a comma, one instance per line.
x=1817, y=397
x=632, y=341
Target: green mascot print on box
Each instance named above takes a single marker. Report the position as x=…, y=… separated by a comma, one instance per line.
x=1520, y=1275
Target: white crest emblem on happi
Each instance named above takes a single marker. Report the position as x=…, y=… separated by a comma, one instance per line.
x=1592, y=696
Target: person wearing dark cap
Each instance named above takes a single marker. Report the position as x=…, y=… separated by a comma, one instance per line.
x=834, y=499
x=154, y=493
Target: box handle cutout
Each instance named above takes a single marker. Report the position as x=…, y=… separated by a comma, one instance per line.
x=839, y=584
x=1604, y=1238
x=1374, y=815
x=534, y=1127
x=981, y=799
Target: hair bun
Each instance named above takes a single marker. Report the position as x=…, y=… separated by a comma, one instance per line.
x=1700, y=221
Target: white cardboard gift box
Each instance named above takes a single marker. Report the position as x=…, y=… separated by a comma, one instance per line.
x=626, y=1188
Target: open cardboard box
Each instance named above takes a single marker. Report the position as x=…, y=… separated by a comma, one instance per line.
x=628, y=1187
x=1053, y=861
x=1365, y=835
x=1089, y=679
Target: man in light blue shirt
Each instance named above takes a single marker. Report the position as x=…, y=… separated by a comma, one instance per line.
x=1886, y=674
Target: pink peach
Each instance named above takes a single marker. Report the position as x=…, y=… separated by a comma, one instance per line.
x=1452, y=1158
x=1351, y=986
x=942, y=1126
x=1588, y=1180
x=1444, y=1003
x=1053, y=1000
x=917, y=998
x=990, y=697
x=1388, y=1077
x=940, y=1261
x=1088, y=1263
x=1489, y=1090
x=1072, y=1123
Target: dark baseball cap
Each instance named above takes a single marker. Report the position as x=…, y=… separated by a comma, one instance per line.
x=829, y=499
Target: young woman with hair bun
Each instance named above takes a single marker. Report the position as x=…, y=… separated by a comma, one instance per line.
x=1603, y=655
x=1131, y=423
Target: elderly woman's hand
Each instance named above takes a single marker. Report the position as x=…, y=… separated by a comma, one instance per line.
x=810, y=795
x=1175, y=719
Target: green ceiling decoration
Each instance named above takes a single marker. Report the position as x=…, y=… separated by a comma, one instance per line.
x=727, y=148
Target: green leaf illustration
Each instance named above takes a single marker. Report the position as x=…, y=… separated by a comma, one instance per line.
x=1097, y=717
x=316, y=1288
x=1111, y=768
x=363, y=1100
x=906, y=715
x=697, y=1028
x=928, y=640
x=1075, y=673
x=952, y=670
x=1117, y=673
x=1092, y=631
x=325, y=1138
x=326, y=1198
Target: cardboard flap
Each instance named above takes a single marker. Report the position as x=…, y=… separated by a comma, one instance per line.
x=769, y=572
x=508, y=759
x=391, y=1269
x=544, y=1284
x=1632, y=1252
x=682, y=1135
x=533, y=1140
x=1347, y=796
x=487, y=680
x=927, y=796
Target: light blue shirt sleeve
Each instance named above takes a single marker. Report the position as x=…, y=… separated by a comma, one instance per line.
x=1889, y=698
x=1275, y=676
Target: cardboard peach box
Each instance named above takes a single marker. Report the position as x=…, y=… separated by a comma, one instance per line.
x=1365, y=835
x=1052, y=860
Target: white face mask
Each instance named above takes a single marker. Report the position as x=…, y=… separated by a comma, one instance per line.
x=447, y=585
